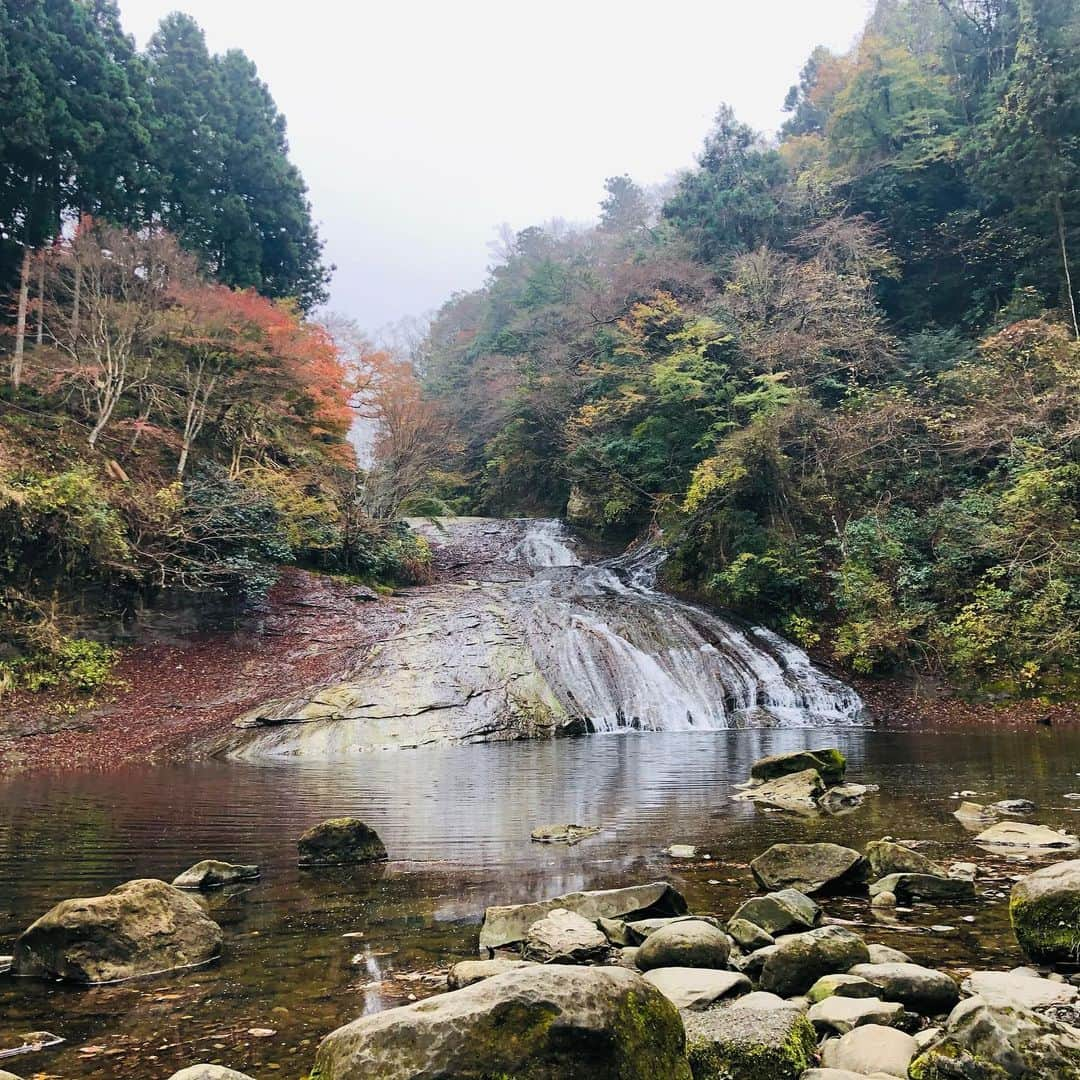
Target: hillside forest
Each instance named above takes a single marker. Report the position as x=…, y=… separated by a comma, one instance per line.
x=835, y=371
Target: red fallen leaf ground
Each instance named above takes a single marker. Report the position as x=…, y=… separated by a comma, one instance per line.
x=174, y=696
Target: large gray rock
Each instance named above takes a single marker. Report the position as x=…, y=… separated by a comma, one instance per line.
x=508, y=925
x=749, y=1044
x=640, y=929
x=995, y=1042
x=871, y=1049
x=809, y=868
x=214, y=874
x=921, y=989
x=473, y=971
x=1018, y=989
x=780, y=912
x=1045, y=912
x=140, y=928
x=798, y=792
x=910, y=887
x=1019, y=834
x=564, y=937
x=829, y=763
x=887, y=858
x=203, y=1072
x=555, y=1023
x=841, y=1014
x=749, y=936
x=688, y=943
x=696, y=988
x=799, y=960
x=340, y=842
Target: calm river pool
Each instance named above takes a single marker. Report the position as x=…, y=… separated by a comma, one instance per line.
x=306, y=951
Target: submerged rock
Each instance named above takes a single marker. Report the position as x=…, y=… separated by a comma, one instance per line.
x=933, y=887
x=871, y=1049
x=140, y=928
x=995, y=1042
x=688, y=943
x=1045, y=911
x=473, y=971
x=798, y=792
x=565, y=1023
x=564, y=937
x=696, y=988
x=843, y=797
x=808, y=868
x=799, y=960
x=564, y=834
x=886, y=857
x=214, y=874
x=750, y=1044
x=780, y=912
x=508, y=925
x=974, y=815
x=920, y=989
x=340, y=842
x=1019, y=834
x=829, y=763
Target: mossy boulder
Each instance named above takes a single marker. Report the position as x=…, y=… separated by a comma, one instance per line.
x=887, y=858
x=1045, y=911
x=540, y=1023
x=829, y=763
x=140, y=928
x=749, y=1044
x=932, y=887
x=799, y=960
x=340, y=842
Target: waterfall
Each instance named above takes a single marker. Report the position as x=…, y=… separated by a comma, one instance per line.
x=620, y=654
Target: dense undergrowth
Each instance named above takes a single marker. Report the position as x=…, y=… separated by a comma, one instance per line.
x=839, y=370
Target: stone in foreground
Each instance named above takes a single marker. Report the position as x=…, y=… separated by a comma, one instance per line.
x=921, y=989
x=809, y=868
x=1018, y=989
x=473, y=971
x=204, y=1072
x=842, y=1014
x=871, y=1049
x=849, y=986
x=214, y=874
x=564, y=937
x=508, y=925
x=696, y=988
x=909, y=887
x=994, y=1042
x=140, y=928
x=780, y=912
x=340, y=842
x=689, y=943
x=829, y=763
x=799, y=960
x=1045, y=912
x=750, y=1044
x=558, y=1023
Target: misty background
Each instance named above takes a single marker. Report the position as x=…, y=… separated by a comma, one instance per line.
x=421, y=127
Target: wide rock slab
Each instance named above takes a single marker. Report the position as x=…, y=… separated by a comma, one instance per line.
x=1045, y=911
x=140, y=928
x=749, y=1044
x=509, y=924
x=558, y=1023
x=799, y=960
x=696, y=988
x=798, y=792
x=842, y=1014
x=1017, y=990
x=809, y=868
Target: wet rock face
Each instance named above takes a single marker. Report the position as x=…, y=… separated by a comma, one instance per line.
x=566, y=1023
x=141, y=927
x=340, y=842
x=809, y=868
x=1045, y=912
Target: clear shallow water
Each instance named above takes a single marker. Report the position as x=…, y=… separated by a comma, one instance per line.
x=456, y=822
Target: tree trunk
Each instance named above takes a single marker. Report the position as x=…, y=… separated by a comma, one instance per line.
x=20, y=321
x=40, y=338
x=76, y=301
x=1059, y=213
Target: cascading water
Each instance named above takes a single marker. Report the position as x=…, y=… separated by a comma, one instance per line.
x=620, y=654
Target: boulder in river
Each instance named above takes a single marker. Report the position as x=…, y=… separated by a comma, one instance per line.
x=921, y=989
x=869, y=1050
x=1019, y=834
x=932, y=887
x=886, y=857
x=473, y=971
x=564, y=834
x=214, y=874
x=780, y=912
x=140, y=928
x=508, y=925
x=829, y=763
x=1045, y=912
x=751, y=1044
x=809, y=868
x=564, y=937
x=799, y=960
x=204, y=1072
x=696, y=988
x=342, y=841
x=558, y=1022
x=798, y=792
x=748, y=936
x=688, y=943
x=640, y=929
x=997, y=1042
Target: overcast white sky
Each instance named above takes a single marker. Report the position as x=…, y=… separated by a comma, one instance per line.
x=422, y=125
